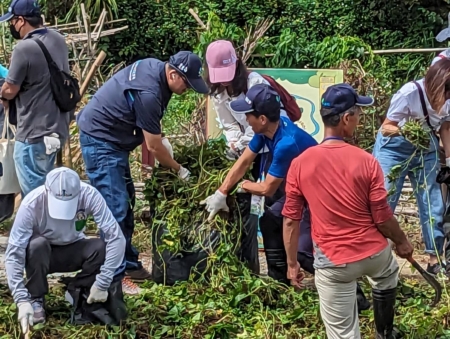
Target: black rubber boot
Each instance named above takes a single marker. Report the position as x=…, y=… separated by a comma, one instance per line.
x=277, y=265
x=383, y=310
x=363, y=303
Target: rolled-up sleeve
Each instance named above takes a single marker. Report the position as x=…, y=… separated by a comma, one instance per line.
x=399, y=108
x=115, y=241
x=379, y=206
x=295, y=201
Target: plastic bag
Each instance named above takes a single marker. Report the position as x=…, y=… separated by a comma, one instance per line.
x=169, y=268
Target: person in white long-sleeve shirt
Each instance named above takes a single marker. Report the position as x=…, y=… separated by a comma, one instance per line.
x=228, y=80
x=48, y=237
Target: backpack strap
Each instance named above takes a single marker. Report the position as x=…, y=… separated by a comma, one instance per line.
x=44, y=50
x=424, y=105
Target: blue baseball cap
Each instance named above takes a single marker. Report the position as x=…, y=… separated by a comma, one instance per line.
x=260, y=98
x=26, y=8
x=189, y=65
x=340, y=98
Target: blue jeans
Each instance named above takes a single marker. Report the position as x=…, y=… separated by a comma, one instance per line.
x=422, y=170
x=108, y=170
x=32, y=165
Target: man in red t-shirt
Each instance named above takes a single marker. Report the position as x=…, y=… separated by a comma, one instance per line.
x=351, y=219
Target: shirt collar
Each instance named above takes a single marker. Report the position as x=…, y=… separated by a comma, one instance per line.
x=40, y=30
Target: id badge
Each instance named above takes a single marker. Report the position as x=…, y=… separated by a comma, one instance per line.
x=257, y=203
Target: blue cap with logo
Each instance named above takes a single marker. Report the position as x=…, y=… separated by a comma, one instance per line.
x=26, y=8
x=190, y=67
x=340, y=98
x=260, y=98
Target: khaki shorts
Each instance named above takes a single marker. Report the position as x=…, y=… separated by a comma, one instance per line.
x=337, y=286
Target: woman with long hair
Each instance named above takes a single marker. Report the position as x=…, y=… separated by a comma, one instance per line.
x=426, y=101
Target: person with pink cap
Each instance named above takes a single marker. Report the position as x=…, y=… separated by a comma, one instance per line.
x=229, y=80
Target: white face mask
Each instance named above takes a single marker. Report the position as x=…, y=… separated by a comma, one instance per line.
x=445, y=110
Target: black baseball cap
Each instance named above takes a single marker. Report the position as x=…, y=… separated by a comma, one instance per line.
x=340, y=98
x=190, y=67
x=261, y=98
x=26, y=8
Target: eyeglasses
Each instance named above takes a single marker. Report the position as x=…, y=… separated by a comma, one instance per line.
x=185, y=81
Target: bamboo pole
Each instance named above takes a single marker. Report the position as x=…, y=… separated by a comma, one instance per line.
x=380, y=51
x=87, y=28
x=97, y=63
x=197, y=18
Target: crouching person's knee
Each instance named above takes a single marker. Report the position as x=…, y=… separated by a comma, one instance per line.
x=38, y=249
x=98, y=252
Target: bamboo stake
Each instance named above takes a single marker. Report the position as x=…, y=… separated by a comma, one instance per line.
x=94, y=46
x=97, y=63
x=87, y=28
x=196, y=17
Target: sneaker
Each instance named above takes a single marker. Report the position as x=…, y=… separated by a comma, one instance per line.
x=129, y=287
x=39, y=311
x=140, y=275
x=434, y=269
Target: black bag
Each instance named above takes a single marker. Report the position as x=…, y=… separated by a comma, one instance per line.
x=65, y=88
x=168, y=268
x=7, y=202
x=112, y=312
x=444, y=178
x=12, y=112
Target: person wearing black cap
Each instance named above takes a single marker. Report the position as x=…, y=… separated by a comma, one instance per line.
x=351, y=221
x=123, y=113
x=285, y=141
x=41, y=126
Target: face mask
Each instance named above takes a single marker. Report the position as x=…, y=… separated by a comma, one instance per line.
x=14, y=32
x=445, y=110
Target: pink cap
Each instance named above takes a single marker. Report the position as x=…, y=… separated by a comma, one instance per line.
x=221, y=59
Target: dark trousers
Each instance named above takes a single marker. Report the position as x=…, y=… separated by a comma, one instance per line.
x=248, y=252
x=87, y=255
x=108, y=170
x=272, y=231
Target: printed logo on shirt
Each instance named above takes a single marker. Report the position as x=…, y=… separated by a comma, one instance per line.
x=132, y=74
x=81, y=220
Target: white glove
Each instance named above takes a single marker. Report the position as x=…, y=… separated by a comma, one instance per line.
x=96, y=295
x=231, y=155
x=52, y=143
x=26, y=314
x=168, y=146
x=447, y=162
x=184, y=173
x=215, y=203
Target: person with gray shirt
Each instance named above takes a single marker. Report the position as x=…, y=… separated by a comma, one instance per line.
x=41, y=126
x=48, y=237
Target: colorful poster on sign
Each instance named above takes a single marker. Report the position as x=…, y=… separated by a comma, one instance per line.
x=306, y=85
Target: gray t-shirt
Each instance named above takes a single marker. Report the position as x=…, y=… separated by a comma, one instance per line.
x=37, y=112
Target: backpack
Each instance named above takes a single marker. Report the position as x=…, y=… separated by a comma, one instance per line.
x=65, y=88
x=290, y=104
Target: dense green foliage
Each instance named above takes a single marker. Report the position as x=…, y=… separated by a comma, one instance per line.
x=305, y=33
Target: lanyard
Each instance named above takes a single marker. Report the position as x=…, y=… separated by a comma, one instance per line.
x=262, y=165
x=332, y=138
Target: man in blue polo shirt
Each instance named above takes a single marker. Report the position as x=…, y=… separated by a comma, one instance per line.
x=285, y=142
x=123, y=113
